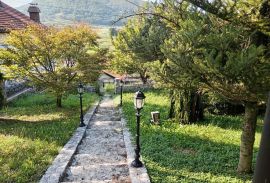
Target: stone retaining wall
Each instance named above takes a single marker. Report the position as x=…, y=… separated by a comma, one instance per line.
x=134, y=88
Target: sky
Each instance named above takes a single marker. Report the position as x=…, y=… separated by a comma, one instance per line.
x=17, y=3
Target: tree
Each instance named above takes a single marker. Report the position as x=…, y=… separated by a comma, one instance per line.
x=254, y=16
x=139, y=49
x=227, y=58
x=224, y=45
x=185, y=92
x=262, y=165
x=54, y=58
x=137, y=45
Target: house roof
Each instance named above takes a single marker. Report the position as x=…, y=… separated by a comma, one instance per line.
x=112, y=74
x=12, y=19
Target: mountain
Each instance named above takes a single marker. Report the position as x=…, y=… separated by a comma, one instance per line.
x=95, y=12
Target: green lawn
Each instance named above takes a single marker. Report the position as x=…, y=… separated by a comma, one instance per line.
x=32, y=131
x=109, y=88
x=203, y=152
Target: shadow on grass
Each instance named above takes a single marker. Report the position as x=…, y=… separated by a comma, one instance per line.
x=229, y=122
x=56, y=131
x=32, y=131
x=35, y=116
x=188, y=158
x=176, y=153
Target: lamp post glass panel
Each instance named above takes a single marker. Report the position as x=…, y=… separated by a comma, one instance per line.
x=80, y=91
x=138, y=104
x=121, y=88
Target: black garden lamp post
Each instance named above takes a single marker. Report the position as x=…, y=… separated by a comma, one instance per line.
x=138, y=104
x=80, y=91
x=121, y=91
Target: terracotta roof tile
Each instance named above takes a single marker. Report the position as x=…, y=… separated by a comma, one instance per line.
x=11, y=18
x=113, y=74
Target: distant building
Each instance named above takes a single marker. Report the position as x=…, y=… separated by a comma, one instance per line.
x=12, y=19
x=109, y=76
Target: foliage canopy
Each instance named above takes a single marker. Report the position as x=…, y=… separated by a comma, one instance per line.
x=54, y=58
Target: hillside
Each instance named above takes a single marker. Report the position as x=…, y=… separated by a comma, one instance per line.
x=95, y=12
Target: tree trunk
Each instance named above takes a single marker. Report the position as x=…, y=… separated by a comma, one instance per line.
x=196, y=108
x=144, y=78
x=200, y=107
x=248, y=138
x=59, y=101
x=172, y=106
x=2, y=92
x=183, y=115
x=263, y=158
x=190, y=108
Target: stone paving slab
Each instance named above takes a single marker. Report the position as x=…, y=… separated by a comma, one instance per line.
x=98, y=172
x=56, y=171
x=98, y=125
x=107, y=117
x=101, y=155
x=89, y=159
x=103, y=151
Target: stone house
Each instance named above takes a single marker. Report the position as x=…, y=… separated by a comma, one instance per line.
x=109, y=77
x=12, y=19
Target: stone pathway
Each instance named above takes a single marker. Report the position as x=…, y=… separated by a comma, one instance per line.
x=101, y=156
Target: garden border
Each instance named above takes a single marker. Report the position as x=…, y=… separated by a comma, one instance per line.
x=16, y=95
x=56, y=171
x=137, y=175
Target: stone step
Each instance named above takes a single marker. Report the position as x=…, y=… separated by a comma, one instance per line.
x=105, y=117
x=103, y=181
x=103, y=149
x=102, y=172
x=106, y=105
x=106, y=134
x=90, y=159
x=111, y=112
x=101, y=156
x=103, y=108
x=103, y=153
x=107, y=112
x=98, y=124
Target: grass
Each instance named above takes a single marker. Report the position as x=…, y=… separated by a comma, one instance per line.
x=109, y=88
x=204, y=152
x=32, y=131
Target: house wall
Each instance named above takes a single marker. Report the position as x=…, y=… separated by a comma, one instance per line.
x=106, y=79
x=2, y=38
x=134, y=87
